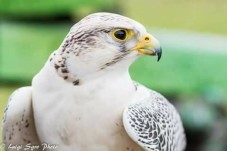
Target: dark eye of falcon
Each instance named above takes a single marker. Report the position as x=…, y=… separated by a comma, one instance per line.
x=120, y=34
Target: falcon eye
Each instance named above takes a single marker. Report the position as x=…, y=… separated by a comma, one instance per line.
x=120, y=34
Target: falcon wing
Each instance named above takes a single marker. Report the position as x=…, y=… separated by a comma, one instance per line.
x=155, y=124
x=18, y=126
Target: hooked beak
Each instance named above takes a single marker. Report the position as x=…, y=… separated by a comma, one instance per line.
x=148, y=45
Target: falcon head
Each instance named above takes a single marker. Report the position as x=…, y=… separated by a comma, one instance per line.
x=104, y=41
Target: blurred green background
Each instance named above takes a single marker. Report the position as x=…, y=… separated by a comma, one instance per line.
x=191, y=74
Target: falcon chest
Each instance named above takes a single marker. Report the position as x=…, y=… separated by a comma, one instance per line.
x=85, y=117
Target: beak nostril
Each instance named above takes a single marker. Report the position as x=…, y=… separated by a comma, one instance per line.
x=147, y=38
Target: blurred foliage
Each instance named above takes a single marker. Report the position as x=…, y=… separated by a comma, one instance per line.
x=47, y=8
x=181, y=72
x=20, y=61
x=197, y=116
x=196, y=15
x=217, y=137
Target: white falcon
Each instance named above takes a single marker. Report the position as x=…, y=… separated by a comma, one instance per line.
x=84, y=99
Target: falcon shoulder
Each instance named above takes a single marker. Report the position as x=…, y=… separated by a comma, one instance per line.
x=154, y=124
x=18, y=123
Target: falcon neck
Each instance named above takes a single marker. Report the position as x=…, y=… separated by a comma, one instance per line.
x=108, y=77
x=111, y=87
x=115, y=78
